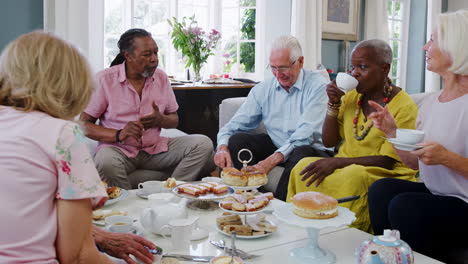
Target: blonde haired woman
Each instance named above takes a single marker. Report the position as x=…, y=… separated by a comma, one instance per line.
x=48, y=183
x=431, y=215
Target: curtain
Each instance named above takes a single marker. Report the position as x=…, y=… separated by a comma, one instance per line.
x=434, y=8
x=376, y=22
x=306, y=26
x=79, y=22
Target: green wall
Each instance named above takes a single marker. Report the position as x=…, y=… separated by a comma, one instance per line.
x=18, y=17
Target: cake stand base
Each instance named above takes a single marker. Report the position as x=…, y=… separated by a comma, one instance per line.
x=312, y=253
x=202, y=205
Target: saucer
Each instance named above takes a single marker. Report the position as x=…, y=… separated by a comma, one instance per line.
x=135, y=230
x=403, y=146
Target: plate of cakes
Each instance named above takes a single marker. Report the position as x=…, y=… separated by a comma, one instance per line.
x=200, y=190
x=244, y=179
x=115, y=194
x=246, y=203
x=257, y=226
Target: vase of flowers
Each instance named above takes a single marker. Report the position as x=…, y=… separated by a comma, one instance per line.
x=195, y=44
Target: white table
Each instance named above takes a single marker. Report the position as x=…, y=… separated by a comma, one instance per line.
x=274, y=248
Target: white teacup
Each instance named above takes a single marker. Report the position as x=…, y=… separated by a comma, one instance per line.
x=346, y=82
x=409, y=136
x=152, y=187
x=181, y=232
x=119, y=223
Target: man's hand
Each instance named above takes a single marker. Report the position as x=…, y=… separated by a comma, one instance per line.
x=318, y=170
x=152, y=120
x=267, y=164
x=121, y=245
x=132, y=129
x=222, y=157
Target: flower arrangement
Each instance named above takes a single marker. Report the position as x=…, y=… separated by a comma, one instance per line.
x=194, y=43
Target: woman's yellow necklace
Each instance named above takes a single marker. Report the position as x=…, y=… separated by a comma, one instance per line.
x=386, y=99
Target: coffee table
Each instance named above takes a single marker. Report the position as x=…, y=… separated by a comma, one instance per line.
x=275, y=248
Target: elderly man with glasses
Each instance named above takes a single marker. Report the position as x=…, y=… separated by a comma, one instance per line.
x=292, y=106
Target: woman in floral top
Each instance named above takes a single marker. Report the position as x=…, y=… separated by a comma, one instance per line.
x=48, y=183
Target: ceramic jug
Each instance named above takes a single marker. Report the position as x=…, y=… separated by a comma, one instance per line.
x=385, y=249
x=160, y=213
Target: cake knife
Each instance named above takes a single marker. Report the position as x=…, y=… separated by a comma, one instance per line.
x=348, y=198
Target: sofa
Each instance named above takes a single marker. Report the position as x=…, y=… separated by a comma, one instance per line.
x=144, y=175
x=228, y=108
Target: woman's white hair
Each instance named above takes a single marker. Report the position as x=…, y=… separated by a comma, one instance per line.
x=453, y=38
x=288, y=42
x=380, y=47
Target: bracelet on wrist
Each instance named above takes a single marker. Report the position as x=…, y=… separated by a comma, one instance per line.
x=334, y=106
x=332, y=112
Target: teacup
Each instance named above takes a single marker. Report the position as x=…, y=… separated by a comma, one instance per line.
x=151, y=187
x=119, y=223
x=409, y=136
x=346, y=82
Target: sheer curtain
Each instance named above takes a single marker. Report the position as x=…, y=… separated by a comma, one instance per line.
x=434, y=8
x=376, y=20
x=79, y=22
x=306, y=26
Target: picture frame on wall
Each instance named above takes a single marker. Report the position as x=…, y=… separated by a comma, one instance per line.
x=340, y=19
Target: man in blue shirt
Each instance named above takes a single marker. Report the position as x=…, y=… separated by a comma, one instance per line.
x=292, y=107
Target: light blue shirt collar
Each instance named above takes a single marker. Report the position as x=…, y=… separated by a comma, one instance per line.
x=297, y=84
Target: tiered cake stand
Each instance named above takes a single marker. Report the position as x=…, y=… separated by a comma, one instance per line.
x=312, y=253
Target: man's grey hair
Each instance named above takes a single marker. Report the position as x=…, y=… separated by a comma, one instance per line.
x=288, y=42
x=380, y=47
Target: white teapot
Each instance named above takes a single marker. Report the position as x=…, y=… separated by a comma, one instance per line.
x=160, y=213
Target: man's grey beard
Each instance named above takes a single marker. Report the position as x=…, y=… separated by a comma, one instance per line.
x=147, y=73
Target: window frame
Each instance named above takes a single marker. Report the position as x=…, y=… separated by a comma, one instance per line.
x=403, y=41
x=214, y=63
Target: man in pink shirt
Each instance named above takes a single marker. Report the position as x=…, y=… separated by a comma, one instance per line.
x=133, y=101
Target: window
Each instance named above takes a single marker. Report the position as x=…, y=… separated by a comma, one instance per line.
x=236, y=20
x=398, y=21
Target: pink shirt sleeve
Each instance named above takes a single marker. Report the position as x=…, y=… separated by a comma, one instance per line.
x=77, y=174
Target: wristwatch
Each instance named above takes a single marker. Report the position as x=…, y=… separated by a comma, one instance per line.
x=117, y=136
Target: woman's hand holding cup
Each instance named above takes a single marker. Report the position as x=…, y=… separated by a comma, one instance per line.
x=334, y=93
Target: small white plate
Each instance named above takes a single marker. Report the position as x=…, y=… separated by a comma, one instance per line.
x=402, y=146
x=122, y=196
x=247, y=237
x=266, y=208
x=136, y=230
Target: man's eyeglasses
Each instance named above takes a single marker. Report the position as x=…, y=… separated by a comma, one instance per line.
x=282, y=69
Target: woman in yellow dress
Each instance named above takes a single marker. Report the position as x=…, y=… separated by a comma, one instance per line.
x=364, y=155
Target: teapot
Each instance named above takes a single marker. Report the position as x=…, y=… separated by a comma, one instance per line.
x=385, y=249
x=160, y=213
